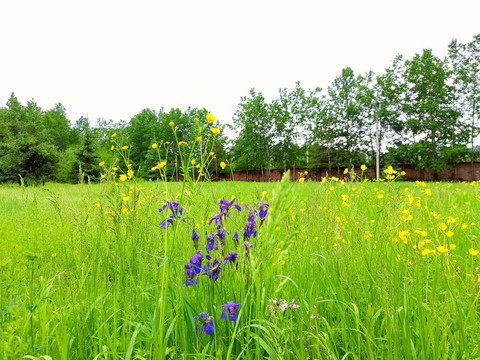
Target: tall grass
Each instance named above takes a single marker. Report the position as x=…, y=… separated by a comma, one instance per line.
x=338, y=269
x=78, y=282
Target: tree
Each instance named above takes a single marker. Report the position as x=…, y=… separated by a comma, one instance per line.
x=57, y=125
x=472, y=88
x=344, y=114
x=252, y=122
x=284, y=135
x=390, y=89
x=431, y=121
x=86, y=166
x=27, y=150
x=463, y=63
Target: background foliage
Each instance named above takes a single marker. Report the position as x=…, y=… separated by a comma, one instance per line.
x=424, y=111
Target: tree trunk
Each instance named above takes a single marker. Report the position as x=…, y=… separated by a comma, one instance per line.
x=329, y=160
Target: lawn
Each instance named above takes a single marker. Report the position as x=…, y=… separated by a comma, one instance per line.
x=337, y=270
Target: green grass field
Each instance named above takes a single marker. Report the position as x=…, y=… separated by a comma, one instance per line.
x=337, y=271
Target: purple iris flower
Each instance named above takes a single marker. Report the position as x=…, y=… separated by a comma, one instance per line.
x=263, y=205
x=232, y=308
x=221, y=234
x=174, y=207
x=196, y=261
x=206, y=321
x=177, y=212
x=167, y=222
x=195, y=239
x=212, y=269
x=193, y=268
x=225, y=205
x=217, y=218
x=252, y=214
x=215, y=270
x=210, y=245
x=235, y=239
x=263, y=212
x=250, y=229
x=191, y=276
x=232, y=257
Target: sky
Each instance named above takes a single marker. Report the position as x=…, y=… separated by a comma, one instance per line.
x=111, y=59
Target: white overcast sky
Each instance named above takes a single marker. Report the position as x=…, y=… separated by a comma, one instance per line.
x=111, y=59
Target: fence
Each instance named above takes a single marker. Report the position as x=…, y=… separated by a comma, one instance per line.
x=457, y=172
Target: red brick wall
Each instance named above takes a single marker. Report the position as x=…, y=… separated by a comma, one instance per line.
x=458, y=172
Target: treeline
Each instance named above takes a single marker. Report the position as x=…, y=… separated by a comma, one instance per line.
x=421, y=111
x=38, y=146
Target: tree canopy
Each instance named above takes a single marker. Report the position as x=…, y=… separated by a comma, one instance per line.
x=422, y=111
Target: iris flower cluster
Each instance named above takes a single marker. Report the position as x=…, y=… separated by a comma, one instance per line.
x=177, y=212
x=193, y=268
x=212, y=269
x=215, y=241
x=250, y=228
x=206, y=321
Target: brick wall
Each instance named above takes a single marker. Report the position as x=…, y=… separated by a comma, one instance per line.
x=458, y=172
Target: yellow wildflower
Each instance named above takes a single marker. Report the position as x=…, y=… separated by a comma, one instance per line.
x=473, y=252
x=223, y=165
x=390, y=170
x=159, y=166
x=427, y=252
x=210, y=118
x=442, y=249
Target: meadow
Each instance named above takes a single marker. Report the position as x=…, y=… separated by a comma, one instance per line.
x=337, y=270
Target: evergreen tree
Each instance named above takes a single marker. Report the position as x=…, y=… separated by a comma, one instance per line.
x=86, y=166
